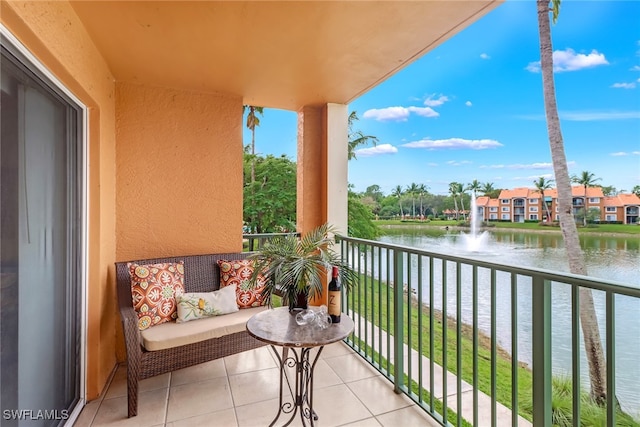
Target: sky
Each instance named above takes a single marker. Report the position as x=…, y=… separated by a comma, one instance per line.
x=472, y=108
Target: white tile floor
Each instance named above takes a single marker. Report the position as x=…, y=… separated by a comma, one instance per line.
x=242, y=390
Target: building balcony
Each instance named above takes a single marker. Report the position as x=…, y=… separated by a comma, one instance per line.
x=242, y=390
x=390, y=371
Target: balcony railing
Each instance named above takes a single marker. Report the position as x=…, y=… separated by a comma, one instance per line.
x=253, y=242
x=444, y=329
x=446, y=335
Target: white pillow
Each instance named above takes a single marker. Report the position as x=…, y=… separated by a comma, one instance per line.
x=196, y=305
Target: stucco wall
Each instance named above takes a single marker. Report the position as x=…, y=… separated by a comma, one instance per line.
x=179, y=172
x=52, y=32
x=311, y=204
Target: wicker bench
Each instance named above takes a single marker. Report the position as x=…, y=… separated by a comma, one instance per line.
x=202, y=274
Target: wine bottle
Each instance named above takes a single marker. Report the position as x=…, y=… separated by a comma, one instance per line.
x=335, y=307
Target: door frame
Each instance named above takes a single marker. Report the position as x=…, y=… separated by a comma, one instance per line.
x=33, y=63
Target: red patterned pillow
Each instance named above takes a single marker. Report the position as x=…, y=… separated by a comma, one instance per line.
x=153, y=290
x=239, y=272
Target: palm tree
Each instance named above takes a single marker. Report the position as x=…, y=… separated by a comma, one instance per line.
x=356, y=137
x=543, y=184
x=461, y=190
x=588, y=320
x=487, y=188
x=474, y=187
x=453, y=189
x=413, y=189
x=586, y=179
x=421, y=190
x=252, y=121
x=397, y=192
x=636, y=190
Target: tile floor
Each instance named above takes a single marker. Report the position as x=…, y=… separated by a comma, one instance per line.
x=242, y=390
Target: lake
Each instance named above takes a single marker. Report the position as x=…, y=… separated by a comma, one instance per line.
x=611, y=258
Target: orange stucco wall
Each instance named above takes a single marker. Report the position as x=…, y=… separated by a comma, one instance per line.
x=312, y=175
x=179, y=172
x=52, y=32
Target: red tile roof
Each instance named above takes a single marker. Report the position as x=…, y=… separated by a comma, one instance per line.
x=622, y=200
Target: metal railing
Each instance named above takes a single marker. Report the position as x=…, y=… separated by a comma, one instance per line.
x=444, y=329
x=253, y=242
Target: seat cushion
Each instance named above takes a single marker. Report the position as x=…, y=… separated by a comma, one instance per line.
x=173, y=334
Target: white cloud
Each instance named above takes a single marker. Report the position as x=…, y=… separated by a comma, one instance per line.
x=376, y=151
x=389, y=113
x=468, y=104
x=531, y=166
x=519, y=166
x=569, y=60
x=423, y=111
x=431, y=102
x=599, y=115
x=587, y=116
x=635, y=68
x=533, y=177
x=432, y=164
x=459, y=163
x=636, y=153
x=484, y=56
x=624, y=85
x=398, y=114
x=453, y=144
x=619, y=154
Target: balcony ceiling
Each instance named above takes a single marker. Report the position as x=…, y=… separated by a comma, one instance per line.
x=274, y=54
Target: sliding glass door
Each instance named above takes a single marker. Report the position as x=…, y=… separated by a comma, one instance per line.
x=41, y=251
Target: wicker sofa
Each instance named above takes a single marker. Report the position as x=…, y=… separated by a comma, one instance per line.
x=201, y=275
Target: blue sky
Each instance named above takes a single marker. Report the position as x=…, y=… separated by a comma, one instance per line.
x=472, y=108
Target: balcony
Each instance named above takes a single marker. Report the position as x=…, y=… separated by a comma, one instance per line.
x=449, y=307
x=241, y=390
x=390, y=371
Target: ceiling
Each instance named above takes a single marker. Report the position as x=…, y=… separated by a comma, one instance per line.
x=278, y=54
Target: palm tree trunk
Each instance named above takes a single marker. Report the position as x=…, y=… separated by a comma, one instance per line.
x=455, y=203
x=584, y=208
x=546, y=206
x=588, y=319
x=253, y=153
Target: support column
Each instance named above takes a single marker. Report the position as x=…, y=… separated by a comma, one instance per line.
x=337, y=166
x=322, y=184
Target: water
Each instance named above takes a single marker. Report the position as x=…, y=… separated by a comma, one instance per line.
x=475, y=241
x=616, y=259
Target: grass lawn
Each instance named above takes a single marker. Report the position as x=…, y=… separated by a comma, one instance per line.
x=370, y=300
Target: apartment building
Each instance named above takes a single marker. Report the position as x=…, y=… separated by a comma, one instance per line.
x=623, y=207
x=525, y=204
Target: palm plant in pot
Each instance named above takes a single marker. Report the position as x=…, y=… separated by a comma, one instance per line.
x=296, y=267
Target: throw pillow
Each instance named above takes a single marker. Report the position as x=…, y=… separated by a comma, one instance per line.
x=153, y=291
x=239, y=272
x=196, y=305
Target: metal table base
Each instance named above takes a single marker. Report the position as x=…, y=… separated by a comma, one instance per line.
x=301, y=389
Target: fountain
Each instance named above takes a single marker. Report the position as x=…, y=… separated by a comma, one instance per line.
x=475, y=242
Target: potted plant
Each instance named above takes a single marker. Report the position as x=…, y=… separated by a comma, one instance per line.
x=296, y=267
